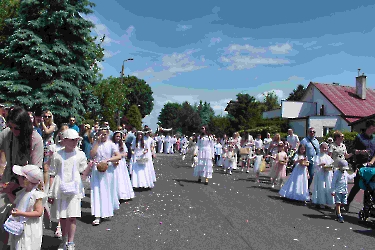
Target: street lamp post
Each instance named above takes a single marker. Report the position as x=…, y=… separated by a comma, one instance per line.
x=122, y=82
x=122, y=69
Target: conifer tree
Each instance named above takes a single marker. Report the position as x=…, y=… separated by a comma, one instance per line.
x=50, y=59
x=134, y=117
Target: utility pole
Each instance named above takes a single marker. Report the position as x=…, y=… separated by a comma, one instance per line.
x=122, y=82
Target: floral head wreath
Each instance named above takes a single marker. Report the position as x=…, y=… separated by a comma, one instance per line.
x=118, y=131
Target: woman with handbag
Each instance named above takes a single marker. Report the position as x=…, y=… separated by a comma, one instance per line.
x=21, y=144
x=25, y=225
x=67, y=189
x=104, y=197
x=141, y=176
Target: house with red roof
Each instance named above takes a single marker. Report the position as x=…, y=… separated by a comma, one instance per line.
x=329, y=107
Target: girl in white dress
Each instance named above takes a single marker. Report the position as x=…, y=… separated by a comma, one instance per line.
x=258, y=158
x=30, y=197
x=104, y=197
x=141, y=177
x=66, y=165
x=205, y=157
x=296, y=187
x=230, y=160
x=323, y=178
x=149, y=144
x=124, y=185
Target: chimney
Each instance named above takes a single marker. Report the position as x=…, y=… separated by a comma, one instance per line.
x=360, y=86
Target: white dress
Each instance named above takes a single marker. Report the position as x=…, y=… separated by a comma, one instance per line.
x=67, y=206
x=104, y=196
x=257, y=162
x=124, y=185
x=296, y=187
x=205, y=155
x=322, y=181
x=150, y=165
x=141, y=176
x=230, y=161
x=31, y=238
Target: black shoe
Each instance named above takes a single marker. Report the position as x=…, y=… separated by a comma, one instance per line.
x=346, y=208
x=199, y=180
x=206, y=183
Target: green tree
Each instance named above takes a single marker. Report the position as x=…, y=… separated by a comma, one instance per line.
x=205, y=112
x=297, y=93
x=244, y=112
x=188, y=119
x=140, y=94
x=111, y=94
x=8, y=9
x=220, y=125
x=169, y=115
x=50, y=59
x=134, y=117
x=270, y=102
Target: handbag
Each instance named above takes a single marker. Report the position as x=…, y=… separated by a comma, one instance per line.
x=102, y=166
x=14, y=226
x=244, y=151
x=68, y=188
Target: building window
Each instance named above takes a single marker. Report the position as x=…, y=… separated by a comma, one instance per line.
x=322, y=110
x=326, y=130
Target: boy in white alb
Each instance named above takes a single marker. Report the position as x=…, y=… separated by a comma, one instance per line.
x=340, y=186
x=218, y=148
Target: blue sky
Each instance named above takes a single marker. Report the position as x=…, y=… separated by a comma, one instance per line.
x=213, y=50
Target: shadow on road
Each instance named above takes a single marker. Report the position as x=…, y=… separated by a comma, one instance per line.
x=50, y=242
x=265, y=188
x=181, y=181
x=367, y=232
x=289, y=201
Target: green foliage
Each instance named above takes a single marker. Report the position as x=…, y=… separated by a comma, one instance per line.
x=205, y=112
x=245, y=112
x=111, y=93
x=188, y=119
x=270, y=102
x=140, y=94
x=49, y=61
x=169, y=115
x=134, y=117
x=297, y=93
x=220, y=125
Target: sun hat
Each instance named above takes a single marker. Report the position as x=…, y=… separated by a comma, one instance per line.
x=330, y=139
x=343, y=165
x=31, y=172
x=70, y=134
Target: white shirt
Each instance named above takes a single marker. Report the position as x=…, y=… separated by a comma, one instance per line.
x=267, y=142
x=258, y=143
x=292, y=140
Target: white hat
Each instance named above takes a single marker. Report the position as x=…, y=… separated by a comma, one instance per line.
x=70, y=134
x=343, y=165
x=31, y=172
x=330, y=139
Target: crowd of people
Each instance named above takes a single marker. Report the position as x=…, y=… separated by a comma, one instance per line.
x=44, y=167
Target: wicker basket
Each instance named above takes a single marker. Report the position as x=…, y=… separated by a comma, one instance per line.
x=142, y=160
x=244, y=151
x=305, y=163
x=102, y=167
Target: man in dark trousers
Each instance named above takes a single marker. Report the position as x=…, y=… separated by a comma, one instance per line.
x=364, y=148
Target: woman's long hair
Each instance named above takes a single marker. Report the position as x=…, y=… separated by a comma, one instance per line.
x=20, y=117
x=120, y=143
x=142, y=140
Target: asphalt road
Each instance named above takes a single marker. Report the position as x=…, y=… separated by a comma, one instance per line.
x=232, y=212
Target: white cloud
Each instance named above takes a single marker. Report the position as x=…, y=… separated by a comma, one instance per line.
x=183, y=27
x=109, y=54
x=214, y=40
x=280, y=48
x=296, y=78
x=237, y=48
x=336, y=44
x=278, y=92
x=240, y=62
x=171, y=66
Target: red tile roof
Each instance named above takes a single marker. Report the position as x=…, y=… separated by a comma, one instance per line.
x=345, y=99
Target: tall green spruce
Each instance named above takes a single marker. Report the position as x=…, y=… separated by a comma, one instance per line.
x=50, y=59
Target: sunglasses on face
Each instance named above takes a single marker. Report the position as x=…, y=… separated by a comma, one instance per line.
x=47, y=116
x=313, y=132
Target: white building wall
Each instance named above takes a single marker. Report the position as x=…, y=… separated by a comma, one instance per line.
x=299, y=127
x=272, y=114
x=331, y=122
x=320, y=99
x=297, y=109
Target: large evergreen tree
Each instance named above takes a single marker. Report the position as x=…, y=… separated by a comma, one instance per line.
x=134, y=117
x=169, y=114
x=50, y=59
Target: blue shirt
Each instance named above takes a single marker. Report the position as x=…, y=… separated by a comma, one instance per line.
x=340, y=181
x=75, y=127
x=130, y=137
x=310, y=151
